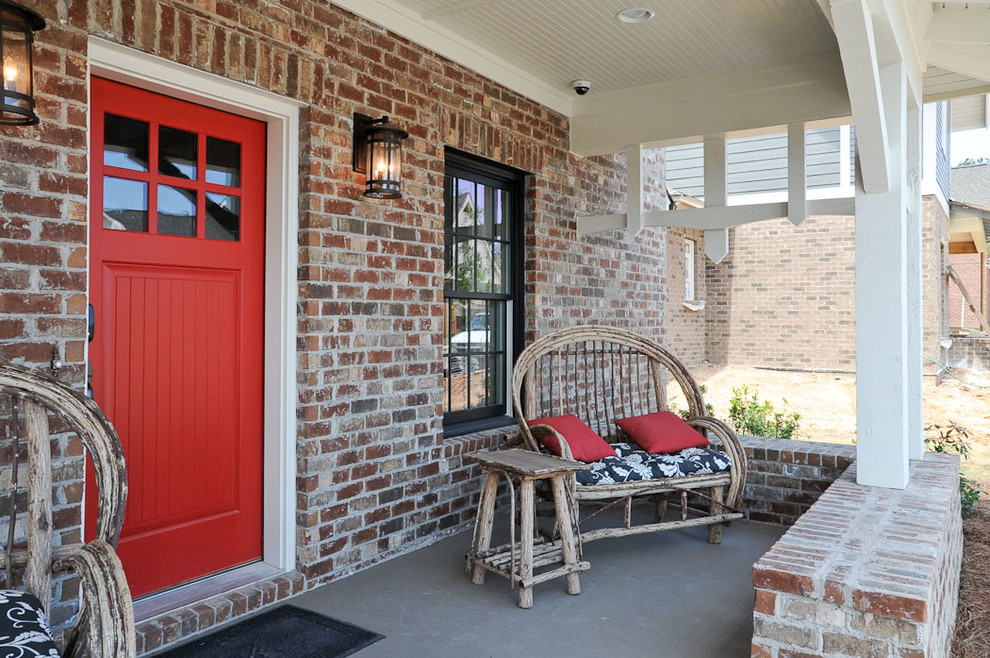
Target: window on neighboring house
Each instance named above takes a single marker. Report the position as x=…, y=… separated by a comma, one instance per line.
x=689, y=270
x=483, y=222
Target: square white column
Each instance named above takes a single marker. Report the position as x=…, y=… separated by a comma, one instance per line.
x=882, y=354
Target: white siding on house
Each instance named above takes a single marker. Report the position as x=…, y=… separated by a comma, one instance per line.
x=758, y=165
x=969, y=112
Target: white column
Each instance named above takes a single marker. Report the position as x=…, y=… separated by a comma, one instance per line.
x=915, y=286
x=881, y=305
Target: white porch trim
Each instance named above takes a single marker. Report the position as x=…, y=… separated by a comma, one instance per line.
x=281, y=114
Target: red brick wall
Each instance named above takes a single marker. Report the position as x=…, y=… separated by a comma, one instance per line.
x=785, y=296
x=375, y=476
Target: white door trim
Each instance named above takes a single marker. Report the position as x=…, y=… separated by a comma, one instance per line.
x=116, y=62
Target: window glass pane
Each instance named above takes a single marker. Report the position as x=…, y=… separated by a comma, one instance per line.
x=484, y=264
x=223, y=162
x=125, y=204
x=176, y=211
x=223, y=216
x=483, y=216
x=448, y=202
x=501, y=211
x=499, y=253
x=464, y=265
x=125, y=143
x=176, y=153
x=449, y=265
x=465, y=205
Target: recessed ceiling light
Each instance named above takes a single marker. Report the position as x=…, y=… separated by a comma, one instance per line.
x=635, y=15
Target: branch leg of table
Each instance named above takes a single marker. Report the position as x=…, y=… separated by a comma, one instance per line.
x=526, y=528
x=486, y=518
x=567, y=540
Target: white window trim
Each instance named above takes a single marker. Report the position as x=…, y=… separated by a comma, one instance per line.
x=116, y=62
x=690, y=250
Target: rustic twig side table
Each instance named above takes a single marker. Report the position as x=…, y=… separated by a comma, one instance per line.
x=526, y=467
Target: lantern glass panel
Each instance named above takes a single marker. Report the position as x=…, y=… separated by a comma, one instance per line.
x=16, y=65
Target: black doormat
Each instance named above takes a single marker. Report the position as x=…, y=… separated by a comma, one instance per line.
x=285, y=632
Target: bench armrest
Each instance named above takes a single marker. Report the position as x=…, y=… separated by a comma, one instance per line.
x=729, y=443
x=545, y=430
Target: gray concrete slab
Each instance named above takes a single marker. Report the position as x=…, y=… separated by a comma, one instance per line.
x=669, y=594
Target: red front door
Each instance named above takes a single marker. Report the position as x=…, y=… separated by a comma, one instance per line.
x=177, y=286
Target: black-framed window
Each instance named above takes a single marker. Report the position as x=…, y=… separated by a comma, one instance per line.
x=483, y=226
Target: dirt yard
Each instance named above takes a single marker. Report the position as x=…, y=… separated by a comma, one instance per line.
x=827, y=404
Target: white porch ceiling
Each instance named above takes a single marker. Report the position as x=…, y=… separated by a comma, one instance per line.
x=675, y=77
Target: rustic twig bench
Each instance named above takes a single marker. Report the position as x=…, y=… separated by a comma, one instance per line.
x=608, y=377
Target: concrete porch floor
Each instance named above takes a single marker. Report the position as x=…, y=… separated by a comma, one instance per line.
x=668, y=594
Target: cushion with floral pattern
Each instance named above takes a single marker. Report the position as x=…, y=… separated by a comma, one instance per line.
x=24, y=628
x=632, y=463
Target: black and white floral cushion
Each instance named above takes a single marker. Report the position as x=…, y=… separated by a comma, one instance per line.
x=633, y=463
x=24, y=629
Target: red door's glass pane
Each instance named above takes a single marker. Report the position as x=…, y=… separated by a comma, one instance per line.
x=223, y=217
x=223, y=162
x=176, y=153
x=176, y=211
x=125, y=204
x=125, y=143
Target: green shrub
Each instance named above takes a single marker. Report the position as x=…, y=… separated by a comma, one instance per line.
x=686, y=413
x=750, y=416
x=953, y=439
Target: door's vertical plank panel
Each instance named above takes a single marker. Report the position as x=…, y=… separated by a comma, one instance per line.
x=163, y=395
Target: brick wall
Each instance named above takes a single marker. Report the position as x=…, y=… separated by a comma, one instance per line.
x=970, y=354
x=786, y=477
x=868, y=571
x=375, y=476
x=976, y=277
x=685, y=327
x=785, y=295
x=934, y=281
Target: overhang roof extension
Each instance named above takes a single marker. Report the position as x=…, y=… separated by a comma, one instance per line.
x=969, y=227
x=697, y=68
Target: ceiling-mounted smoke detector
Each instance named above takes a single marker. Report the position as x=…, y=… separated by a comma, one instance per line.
x=635, y=15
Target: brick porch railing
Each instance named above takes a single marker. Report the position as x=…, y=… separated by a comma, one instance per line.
x=866, y=571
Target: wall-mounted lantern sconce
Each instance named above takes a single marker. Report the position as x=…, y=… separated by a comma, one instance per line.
x=17, y=27
x=378, y=154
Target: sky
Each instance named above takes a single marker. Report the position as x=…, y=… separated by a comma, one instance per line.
x=973, y=144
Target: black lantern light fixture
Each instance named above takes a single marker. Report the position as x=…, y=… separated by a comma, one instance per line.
x=378, y=154
x=17, y=27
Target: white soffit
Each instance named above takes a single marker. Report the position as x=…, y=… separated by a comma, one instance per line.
x=538, y=48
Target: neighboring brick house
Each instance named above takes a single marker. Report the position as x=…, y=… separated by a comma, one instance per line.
x=785, y=295
x=970, y=185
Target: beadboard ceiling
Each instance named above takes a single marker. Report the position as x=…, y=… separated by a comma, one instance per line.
x=552, y=42
x=691, y=48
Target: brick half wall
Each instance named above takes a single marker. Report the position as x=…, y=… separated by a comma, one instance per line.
x=867, y=571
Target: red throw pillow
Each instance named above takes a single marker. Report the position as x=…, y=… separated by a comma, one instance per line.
x=586, y=445
x=661, y=432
